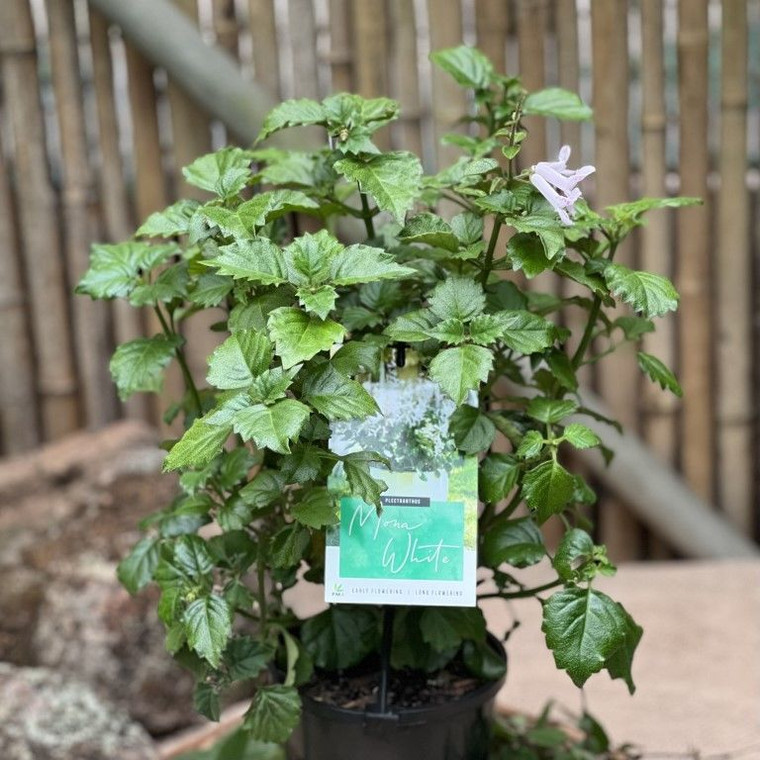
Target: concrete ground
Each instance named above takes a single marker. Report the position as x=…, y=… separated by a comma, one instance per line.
x=697, y=669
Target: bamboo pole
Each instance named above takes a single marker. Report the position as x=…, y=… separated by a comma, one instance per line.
x=19, y=426
x=618, y=374
x=693, y=280
x=659, y=408
x=113, y=196
x=734, y=277
x=531, y=31
x=91, y=324
x=341, y=46
x=370, y=31
x=264, y=38
x=404, y=82
x=38, y=215
x=491, y=29
x=226, y=28
x=449, y=99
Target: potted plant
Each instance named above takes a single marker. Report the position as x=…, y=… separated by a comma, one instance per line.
x=308, y=325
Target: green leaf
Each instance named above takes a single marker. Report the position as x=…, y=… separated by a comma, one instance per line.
x=299, y=336
x=265, y=207
x=473, y=431
x=461, y=370
x=468, y=66
x=581, y=436
x=392, y=179
x=550, y=410
x=317, y=508
x=629, y=214
x=139, y=364
x=246, y=658
x=358, y=357
x=335, y=396
x=457, y=298
x=135, y=571
x=303, y=464
x=429, y=229
x=288, y=546
x=206, y=701
x=525, y=332
x=497, y=476
x=412, y=327
x=562, y=369
x=549, y=230
x=253, y=315
x=360, y=481
x=658, y=373
x=210, y=290
x=547, y=488
x=198, y=446
x=292, y=113
x=341, y=636
x=308, y=257
x=468, y=228
x=235, y=363
x=270, y=386
x=619, y=663
x=225, y=172
x=192, y=557
x=116, y=270
x=526, y=252
x=264, y=489
x=170, y=284
x=208, y=623
x=485, y=329
x=317, y=300
x=272, y=427
x=174, y=220
x=517, y=542
x=531, y=445
x=450, y=331
x=583, y=628
x=273, y=714
x=364, y=263
x=559, y=103
x=633, y=327
x=651, y=294
x=576, y=548
x=445, y=628
x=257, y=260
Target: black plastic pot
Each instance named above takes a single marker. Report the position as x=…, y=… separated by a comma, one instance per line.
x=457, y=730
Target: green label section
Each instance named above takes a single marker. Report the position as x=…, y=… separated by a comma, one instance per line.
x=403, y=542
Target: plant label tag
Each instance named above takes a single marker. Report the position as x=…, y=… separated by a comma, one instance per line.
x=421, y=549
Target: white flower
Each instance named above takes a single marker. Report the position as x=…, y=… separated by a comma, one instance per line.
x=558, y=184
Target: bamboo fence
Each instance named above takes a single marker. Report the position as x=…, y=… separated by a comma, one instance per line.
x=93, y=135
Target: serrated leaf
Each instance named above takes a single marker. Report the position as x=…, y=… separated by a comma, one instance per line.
x=468, y=227
x=116, y=270
x=531, y=445
x=445, y=628
x=517, y=542
x=319, y=300
x=206, y=701
x=272, y=427
x=357, y=357
x=235, y=363
x=360, y=481
x=336, y=396
x=170, y=284
x=139, y=364
x=412, y=327
x=208, y=624
x=300, y=336
x=246, y=658
x=562, y=369
x=485, y=329
x=658, y=373
x=525, y=332
x=273, y=714
x=630, y=213
x=254, y=314
x=265, y=207
x=174, y=220
x=303, y=464
x=557, y=102
x=258, y=260
x=341, y=636
x=526, y=252
x=288, y=545
x=547, y=489
x=550, y=232
x=192, y=557
x=449, y=331
x=198, y=446
x=461, y=370
x=429, y=229
x=580, y=436
x=633, y=327
x=651, y=294
x=619, y=663
x=264, y=489
x=457, y=298
x=135, y=571
x=576, y=548
x=363, y=263
x=468, y=66
x=497, y=476
x=292, y=113
x=210, y=290
x=308, y=257
x=583, y=628
x=270, y=386
x=225, y=172
x=550, y=410
x=473, y=431
x=392, y=179
x=317, y=508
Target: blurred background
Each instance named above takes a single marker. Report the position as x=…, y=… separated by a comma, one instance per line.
x=101, y=104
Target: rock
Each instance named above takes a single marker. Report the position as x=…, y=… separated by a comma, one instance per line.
x=68, y=514
x=45, y=716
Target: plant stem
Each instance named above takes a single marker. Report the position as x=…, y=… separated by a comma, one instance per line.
x=523, y=593
x=182, y=361
x=488, y=263
x=262, y=597
x=367, y=216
